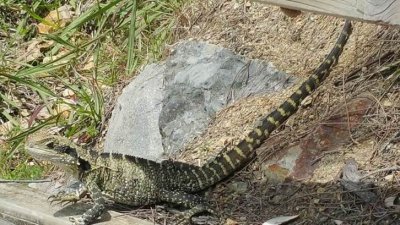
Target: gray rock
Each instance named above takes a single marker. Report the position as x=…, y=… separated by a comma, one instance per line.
x=170, y=103
x=134, y=127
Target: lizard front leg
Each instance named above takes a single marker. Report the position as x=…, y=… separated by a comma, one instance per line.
x=97, y=209
x=72, y=193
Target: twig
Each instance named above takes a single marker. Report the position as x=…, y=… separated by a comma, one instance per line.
x=347, y=113
x=394, y=168
x=352, y=74
x=323, y=155
x=389, y=144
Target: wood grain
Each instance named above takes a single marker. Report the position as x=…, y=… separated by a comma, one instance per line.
x=375, y=11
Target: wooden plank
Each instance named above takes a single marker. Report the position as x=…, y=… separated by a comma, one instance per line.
x=21, y=204
x=376, y=11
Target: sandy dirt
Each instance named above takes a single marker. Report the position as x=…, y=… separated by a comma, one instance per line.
x=296, y=46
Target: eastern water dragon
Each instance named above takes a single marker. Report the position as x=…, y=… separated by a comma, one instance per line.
x=135, y=181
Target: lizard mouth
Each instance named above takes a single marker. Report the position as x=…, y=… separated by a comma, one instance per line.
x=40, y=153
x=51, y=155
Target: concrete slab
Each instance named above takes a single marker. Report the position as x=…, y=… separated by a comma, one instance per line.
x=22, y=205
x=4, y=222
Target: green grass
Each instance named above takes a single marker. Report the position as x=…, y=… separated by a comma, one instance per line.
x=20, y=168
x=116, y=38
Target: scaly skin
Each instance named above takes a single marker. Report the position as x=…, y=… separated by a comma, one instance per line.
x=135, y=181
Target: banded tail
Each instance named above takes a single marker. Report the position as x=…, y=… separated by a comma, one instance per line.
x=229, y=161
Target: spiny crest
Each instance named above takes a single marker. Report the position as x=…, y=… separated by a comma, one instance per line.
x=167, y=164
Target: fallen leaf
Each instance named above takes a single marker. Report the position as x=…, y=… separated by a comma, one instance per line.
x=387, y=103
x=68, y=93
x=89, y=64
x=230, y=222
x=63, y=109
x=24, y=113
x=31, y=53
x=5, y=128
x=280, y=220
x=393, y=202
x=55, y=20
x=60, y=54
x=34, y=50
x=389, y=177
x=43, y=114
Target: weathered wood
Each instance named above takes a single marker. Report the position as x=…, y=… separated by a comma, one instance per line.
x=23, y=205
x=377, y=11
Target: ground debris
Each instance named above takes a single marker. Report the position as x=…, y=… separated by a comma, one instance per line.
x=296, y=46
x=280, y=220
x=351, y=181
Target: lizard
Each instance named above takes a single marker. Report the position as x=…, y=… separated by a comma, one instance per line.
x=136, y=181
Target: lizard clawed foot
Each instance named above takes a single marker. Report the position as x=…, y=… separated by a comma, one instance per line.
x=186, y=217
x=63, y=198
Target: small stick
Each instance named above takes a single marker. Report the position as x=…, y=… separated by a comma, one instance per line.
x=352, y=74
x=323, y=155
x=394, y=168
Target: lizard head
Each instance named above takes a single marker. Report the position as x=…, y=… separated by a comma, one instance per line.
x=59, y=151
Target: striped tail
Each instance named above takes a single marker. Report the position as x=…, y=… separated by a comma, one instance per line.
x=231, y=160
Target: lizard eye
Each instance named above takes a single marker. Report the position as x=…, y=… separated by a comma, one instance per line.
x=62, y=149
x=66, y=149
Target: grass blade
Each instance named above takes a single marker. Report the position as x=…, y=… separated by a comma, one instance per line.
x=130, y=64
x=34, y=85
